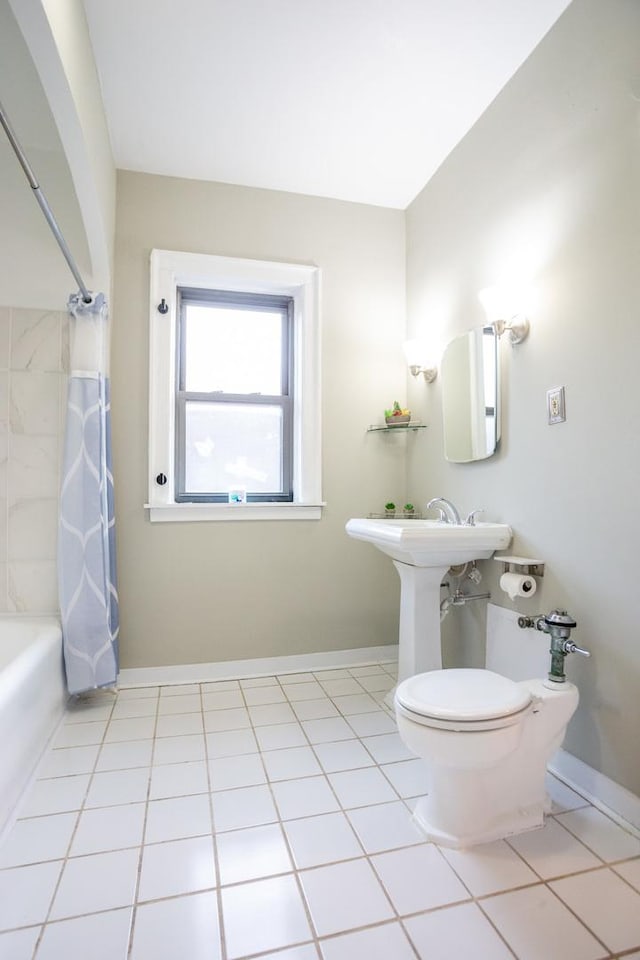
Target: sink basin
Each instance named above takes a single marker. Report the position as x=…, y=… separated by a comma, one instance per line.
x=431, y=543
x=422, y=551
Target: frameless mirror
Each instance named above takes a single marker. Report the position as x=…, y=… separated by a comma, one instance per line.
x=470, y=396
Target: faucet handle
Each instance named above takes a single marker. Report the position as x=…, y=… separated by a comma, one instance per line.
x=471, y=519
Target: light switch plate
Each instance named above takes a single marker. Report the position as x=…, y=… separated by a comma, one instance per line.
x=555, y=405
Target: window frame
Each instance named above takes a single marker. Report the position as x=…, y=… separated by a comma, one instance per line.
x=172, y=271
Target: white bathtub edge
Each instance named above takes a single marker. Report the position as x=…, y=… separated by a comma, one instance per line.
x=7, y=826
x=32, y=702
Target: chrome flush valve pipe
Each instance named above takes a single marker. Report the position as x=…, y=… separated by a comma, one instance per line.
x=558, y=624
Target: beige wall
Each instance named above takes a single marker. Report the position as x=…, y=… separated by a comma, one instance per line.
x=547, y=184
x=199, y=592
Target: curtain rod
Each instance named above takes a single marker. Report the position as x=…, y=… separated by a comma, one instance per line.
x=44, y=206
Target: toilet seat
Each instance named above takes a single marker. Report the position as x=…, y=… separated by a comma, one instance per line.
x=463, y=699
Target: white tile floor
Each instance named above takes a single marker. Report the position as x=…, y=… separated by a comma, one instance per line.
x=271, y=818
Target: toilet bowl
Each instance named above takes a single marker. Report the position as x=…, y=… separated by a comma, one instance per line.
x=486, y=741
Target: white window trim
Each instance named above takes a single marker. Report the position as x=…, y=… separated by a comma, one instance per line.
x=172, y=269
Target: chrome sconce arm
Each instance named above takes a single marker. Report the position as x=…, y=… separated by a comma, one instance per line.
x=503, y=306
x=517, y=328
x=429, y=373
x=417, y=353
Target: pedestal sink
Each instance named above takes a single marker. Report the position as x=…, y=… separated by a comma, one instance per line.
x=422, y=551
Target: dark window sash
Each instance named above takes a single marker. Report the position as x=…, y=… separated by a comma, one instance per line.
x=239, y=301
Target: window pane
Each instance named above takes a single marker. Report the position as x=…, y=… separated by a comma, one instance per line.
x=229, y=445
x=238, y=351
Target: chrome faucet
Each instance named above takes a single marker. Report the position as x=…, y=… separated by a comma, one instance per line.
x=448, y=512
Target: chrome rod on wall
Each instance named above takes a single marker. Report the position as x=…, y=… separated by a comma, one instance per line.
x=44, y=206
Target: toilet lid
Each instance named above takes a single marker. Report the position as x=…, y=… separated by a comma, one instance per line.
x=462, y=695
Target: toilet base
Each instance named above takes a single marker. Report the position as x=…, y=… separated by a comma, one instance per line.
x=522, y=822
x=487, y=784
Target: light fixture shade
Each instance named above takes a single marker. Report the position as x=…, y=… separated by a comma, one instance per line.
x=507, y=308
x=500, y=302
x=416, y=352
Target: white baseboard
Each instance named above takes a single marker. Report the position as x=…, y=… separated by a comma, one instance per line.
x=263, y=667
x=605, y=794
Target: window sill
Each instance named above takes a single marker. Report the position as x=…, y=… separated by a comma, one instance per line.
x=190, y=512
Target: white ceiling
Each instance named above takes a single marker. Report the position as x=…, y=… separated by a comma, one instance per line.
x=355, y=99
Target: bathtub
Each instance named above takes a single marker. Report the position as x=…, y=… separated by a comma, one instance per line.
x=32, y=699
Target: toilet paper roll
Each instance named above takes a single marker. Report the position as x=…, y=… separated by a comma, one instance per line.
x=518, y=585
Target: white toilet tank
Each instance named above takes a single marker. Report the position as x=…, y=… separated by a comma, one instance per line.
x=515, y=653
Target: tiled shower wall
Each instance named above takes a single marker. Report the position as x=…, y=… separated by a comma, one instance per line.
x=33, y=382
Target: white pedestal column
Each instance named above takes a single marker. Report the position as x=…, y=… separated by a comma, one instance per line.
x=419, y=634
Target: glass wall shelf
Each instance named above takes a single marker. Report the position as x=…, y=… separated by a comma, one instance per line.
x=398, y=428
x=398, y=515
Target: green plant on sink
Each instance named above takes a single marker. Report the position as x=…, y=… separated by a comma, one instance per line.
x=390, y=509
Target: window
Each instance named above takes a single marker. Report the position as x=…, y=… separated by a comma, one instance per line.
x=234, y=396
x=234, y=389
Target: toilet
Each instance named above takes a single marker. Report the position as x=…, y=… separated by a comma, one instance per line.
x=486, y=740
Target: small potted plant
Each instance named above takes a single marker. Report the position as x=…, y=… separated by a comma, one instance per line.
x=409, y=510
x=390, y=509
x=397, y=415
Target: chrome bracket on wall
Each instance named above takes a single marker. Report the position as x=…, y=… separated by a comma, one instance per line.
x=523, y=565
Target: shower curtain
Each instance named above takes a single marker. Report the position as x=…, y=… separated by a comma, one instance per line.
x=86, y=535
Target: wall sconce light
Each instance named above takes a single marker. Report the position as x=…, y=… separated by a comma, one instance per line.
x=416, y=354
x=503, y=306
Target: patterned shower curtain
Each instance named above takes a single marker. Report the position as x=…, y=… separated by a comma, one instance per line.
x=86, y=535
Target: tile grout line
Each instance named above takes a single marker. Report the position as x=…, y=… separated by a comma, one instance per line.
x=581, y=921
x=296, y=874
x=82, y=856
x=108, y=806
x=537, y=872
x=298, y=871
x=136, y=889
x=472, y=898
x=590, y=806
x=476, y=900
x=214, y=843
x=280, y=822
x=78, y=813
x=481, y=899
x=343, y=811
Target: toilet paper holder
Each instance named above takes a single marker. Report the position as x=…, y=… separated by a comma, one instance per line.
x=522, y=565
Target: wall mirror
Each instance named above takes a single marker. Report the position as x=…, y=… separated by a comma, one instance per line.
x=470, y=396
